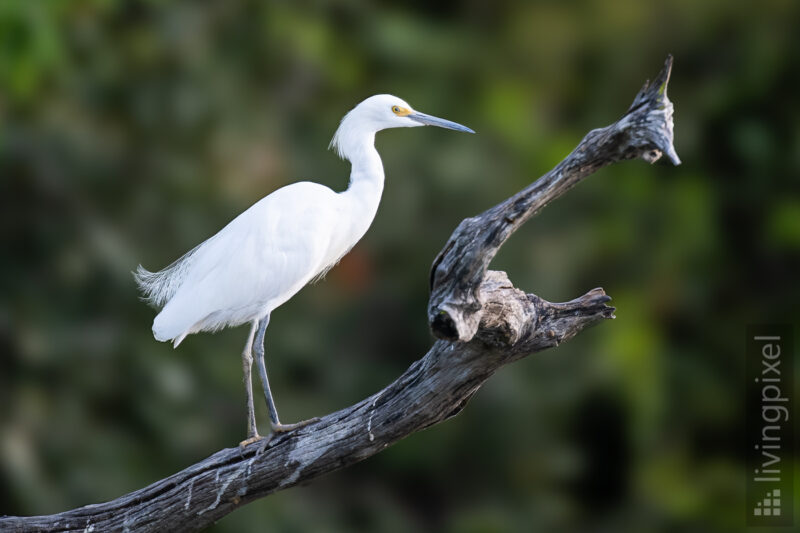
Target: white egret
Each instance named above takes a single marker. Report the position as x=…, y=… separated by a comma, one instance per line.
x=284, y=241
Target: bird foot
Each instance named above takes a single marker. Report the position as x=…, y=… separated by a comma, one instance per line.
x=250, y=440
x=284, y=428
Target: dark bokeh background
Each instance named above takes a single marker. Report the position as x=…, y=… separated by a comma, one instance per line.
x=131, y=131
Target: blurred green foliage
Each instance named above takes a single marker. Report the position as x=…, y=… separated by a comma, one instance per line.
x=131, y=131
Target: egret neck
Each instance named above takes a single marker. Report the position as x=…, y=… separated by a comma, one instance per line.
x=366, y=183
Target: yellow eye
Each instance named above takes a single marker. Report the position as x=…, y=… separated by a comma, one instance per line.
x=395, y=110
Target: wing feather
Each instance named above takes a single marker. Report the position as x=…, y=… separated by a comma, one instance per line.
x=255, y=263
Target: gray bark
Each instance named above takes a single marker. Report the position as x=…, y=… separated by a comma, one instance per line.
x=644, y=131
x=482, y=322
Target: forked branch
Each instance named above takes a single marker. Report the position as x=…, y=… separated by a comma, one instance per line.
x=483, y=323
x=644, y=131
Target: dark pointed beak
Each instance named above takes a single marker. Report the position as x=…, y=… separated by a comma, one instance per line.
x=430, y=120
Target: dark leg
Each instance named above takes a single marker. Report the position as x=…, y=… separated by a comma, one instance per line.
x=247, y=364
x=258, y=347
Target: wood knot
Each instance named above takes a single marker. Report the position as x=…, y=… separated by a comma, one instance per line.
x=443, y=326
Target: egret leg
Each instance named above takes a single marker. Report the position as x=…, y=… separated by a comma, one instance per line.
x=247, y=364
x=258, y=346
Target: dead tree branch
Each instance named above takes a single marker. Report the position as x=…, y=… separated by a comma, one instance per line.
x=482, y=321
x=644, y=131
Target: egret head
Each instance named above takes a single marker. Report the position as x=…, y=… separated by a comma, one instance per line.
x=381, y=112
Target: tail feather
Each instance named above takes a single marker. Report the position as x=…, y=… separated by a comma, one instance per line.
x=179, y=339
x=158, y=287
x=166, y=329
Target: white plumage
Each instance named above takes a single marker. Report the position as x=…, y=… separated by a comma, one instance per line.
x=255, y=263
x=277, y=246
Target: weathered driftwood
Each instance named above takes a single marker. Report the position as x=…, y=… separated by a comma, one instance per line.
x=483, y=323
x=645, y=131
